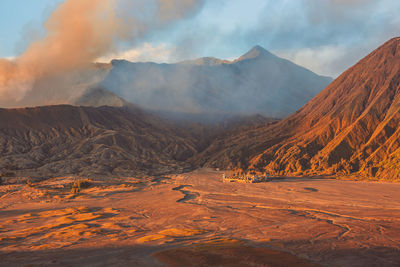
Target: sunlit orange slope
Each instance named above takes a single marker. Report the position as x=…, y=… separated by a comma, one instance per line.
x=350, y=127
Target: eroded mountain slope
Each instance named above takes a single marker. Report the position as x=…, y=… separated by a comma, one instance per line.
x=62, y=140
x=350, y=127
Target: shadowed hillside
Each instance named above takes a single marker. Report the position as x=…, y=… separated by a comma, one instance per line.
x=62, y=140
x=89, y=141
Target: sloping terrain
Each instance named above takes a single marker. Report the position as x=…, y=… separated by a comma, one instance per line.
x=98, y=96
x=63, y=140
x=350, y=127
x=256, y=83
x=99, y=141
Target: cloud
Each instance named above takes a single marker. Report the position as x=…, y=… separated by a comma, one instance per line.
x=80, y=31
x=326, y=60
x=327, y=36
x=305, y=31
x=330, y=36
x=146, y=52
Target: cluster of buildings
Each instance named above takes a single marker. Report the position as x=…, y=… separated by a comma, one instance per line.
x=245, y=177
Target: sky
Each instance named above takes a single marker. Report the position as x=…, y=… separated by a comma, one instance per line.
x=326, y=36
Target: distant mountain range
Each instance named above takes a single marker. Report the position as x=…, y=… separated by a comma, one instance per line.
x=350, y=128
x=256, y=83
x=207, y=88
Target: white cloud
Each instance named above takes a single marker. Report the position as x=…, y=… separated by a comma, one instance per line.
x=317, y=60
x=146, y=52
x=329, y=60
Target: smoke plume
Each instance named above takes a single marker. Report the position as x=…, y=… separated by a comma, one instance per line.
x=80, y=31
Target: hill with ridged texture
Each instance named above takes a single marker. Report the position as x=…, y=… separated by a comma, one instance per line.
x=351, y=127
x=87, y=141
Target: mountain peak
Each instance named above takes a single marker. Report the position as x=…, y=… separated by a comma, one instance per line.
x=256, y=52
x=259, y=49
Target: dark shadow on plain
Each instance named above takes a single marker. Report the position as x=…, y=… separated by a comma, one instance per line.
x=222, y=252
x=300, y=179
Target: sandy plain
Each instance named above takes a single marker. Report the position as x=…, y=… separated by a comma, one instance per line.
x=195, y=219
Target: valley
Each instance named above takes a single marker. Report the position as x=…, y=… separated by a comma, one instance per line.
x=152, y=221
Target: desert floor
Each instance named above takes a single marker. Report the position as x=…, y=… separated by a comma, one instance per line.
x=195, y=219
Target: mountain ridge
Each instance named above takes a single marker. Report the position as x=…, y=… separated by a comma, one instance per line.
x=104, y=141
x=349, y=128
x=258, y=83
x=255, y=52
x=68, y=140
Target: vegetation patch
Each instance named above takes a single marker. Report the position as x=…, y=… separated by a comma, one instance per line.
x=79, y=185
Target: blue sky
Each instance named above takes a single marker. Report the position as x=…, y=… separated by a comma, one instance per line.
x=327, y=36
x=17, y=18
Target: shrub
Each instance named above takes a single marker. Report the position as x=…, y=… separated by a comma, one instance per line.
x=80, y=184
x=29, y=183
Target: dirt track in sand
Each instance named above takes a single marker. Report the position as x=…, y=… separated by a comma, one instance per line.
x=132, y=221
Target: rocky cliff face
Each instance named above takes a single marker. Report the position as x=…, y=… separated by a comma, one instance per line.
x=350, y=127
